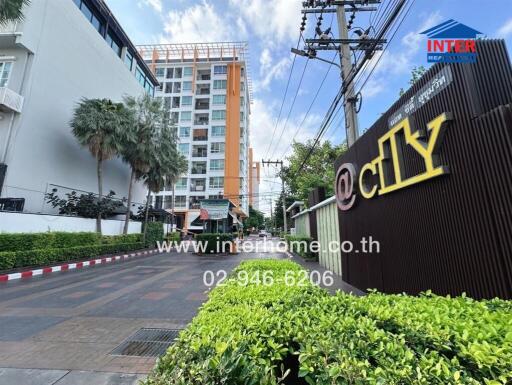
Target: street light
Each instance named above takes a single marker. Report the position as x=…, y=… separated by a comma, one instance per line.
x=312, y=55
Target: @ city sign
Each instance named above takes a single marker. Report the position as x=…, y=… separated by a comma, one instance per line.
x=351, y=182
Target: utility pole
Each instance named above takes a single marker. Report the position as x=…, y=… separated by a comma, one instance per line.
x=346, y=46
x=279, y=163
x=351, y=123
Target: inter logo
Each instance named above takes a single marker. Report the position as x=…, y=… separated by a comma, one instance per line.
x=451, y=42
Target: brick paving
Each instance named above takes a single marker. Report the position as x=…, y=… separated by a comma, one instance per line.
x=60, y=329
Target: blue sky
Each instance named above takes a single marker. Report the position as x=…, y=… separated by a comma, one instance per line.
x=272, y=27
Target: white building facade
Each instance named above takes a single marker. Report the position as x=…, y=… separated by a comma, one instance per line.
x=206, y=88
x=63, y=51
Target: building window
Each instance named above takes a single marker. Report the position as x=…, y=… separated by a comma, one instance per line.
x=176, y=87
x=241, y=116
x=187, y=86
x=219, y=84
x=170, y=72
x=186, y=100
x=174, y=117
x=177, y=73
x=112, y=43
x=220, y=70
x=180, y=201
x=160, y=72
x=184, y=132
x=183, y=148
x=218, y=130
x=187, y=71
x=217, y=164
x=219, y=115
x=219, y=99
x=242, y=86
x=181, y=184
x=186, y=116
x=5, y=71
x=242, y=100
x=217, y=182
x=217, y=147
x=128, y=60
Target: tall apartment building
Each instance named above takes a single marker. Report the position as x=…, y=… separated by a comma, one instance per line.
x=63, y=51
x=207, y=90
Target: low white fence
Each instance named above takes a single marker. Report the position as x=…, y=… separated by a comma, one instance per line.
x=11, y=222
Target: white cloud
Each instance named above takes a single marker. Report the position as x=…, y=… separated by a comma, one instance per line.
x=198, y=23
x=270, y=72
x=155, y=4
x=263, y=119
x=413, y=39
x=505, y=29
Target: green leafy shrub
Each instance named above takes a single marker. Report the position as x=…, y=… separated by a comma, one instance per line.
x=214, y=243
x=154, y=233
x=7, y=260
x=123, y=238
x=41, y=257
x=300, y=245
x=250, y=332
x=30, y=241
x=173, y=237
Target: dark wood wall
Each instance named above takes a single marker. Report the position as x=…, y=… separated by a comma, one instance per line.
x=451, y=234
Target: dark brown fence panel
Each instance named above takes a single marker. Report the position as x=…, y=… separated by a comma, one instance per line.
x=453, y=233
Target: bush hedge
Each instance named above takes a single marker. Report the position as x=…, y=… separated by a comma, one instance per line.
x=252, y=333
x=173, y=237
x=300, y=245
x=154, y=233
x=35, y=249
x=31, y=241
x=210, y=243
x=39, y=257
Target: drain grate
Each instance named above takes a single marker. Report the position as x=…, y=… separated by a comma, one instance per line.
x=147, y=342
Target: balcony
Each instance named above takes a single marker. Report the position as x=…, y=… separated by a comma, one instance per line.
x=203, y=89
x=198, y=185
x=199, y=151
x=202, y=104
x=200, y=135
x=199, y=168
x=203, y=75
x=201, y=119
x=8, y=34
x=10, y=101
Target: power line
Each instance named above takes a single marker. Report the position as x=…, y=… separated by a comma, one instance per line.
x=291, y=108
x=284, y=99
x=310, y=106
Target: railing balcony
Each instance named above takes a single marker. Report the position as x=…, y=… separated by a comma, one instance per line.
x=202, y=106
x=204, y=77
x=8, y=28
x=199, y=170
x=199, y=154
x=10, y=100
x=202, y=91
x=197, y=188
x=201, y=122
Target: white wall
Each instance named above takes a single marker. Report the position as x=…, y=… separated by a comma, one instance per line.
x=36, y=223
x=70, y=61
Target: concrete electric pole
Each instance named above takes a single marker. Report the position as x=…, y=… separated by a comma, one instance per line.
x=351, y=124
x=279, y=163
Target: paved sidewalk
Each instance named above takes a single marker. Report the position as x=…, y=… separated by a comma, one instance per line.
x=67, y=324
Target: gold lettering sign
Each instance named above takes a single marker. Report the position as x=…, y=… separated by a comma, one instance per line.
x=427, y=146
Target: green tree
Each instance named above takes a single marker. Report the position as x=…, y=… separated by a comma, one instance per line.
x=12, y=10
x=416, y=74
x=166, y=164
x=278, y=211
x=256, y=219
x=98, y=124
x=139, y=144
x=317, y=172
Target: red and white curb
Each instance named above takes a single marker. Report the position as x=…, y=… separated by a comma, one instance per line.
x=71, y=266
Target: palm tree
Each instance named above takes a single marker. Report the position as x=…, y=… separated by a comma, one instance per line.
x=166, y=162
x=11, y=10
x=98, y=124
x=140, y=143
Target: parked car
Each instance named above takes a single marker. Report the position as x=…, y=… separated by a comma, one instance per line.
x=263, y=233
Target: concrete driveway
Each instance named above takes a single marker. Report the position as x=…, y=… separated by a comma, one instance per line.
x=61, y=329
